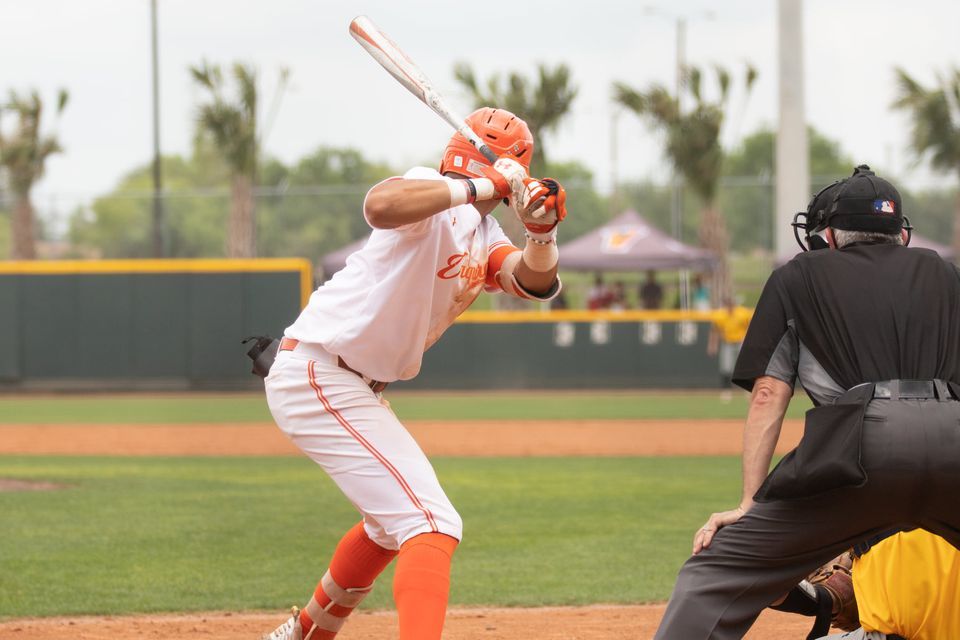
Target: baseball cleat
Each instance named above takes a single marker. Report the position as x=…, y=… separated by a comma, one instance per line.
x=289, y=630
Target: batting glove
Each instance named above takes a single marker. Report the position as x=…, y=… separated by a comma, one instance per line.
x=501, y=180
x=543, y=204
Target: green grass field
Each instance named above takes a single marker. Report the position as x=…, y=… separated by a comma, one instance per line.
x=168, y=534
x=132, y=535
x=409, y=405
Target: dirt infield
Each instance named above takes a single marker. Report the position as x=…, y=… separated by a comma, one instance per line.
x=468, y=438
x=473, y=438
x=545, y=623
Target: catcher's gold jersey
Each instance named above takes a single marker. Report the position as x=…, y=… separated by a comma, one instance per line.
x=909, y=584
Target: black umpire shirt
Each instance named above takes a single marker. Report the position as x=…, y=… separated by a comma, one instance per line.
x=864, y=313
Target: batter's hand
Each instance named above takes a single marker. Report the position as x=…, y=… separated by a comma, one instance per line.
x=716, y=522
x=513, y=174
x=502, y=180
x=542, y=205
x=501, y=185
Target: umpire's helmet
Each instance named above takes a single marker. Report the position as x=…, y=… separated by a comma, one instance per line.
x=862, y=202
x=866, y=202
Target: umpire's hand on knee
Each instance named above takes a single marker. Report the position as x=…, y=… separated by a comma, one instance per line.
x=717, y=521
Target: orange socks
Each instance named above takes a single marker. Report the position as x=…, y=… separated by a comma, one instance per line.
x=421, y=585
x=358, y=560
x=355, y=565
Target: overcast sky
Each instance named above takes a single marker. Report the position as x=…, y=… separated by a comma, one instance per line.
x=100, y=51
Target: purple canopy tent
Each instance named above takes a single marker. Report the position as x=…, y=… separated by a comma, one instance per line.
x=926, y=243
x=626, y=243
x=630, y=243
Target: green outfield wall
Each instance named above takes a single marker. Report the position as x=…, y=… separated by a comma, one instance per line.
x=141, y=324
x=572, y=350
x=178, y=324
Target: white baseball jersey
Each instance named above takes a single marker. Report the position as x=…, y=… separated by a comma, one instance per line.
x=403, y=289
x=391, y=301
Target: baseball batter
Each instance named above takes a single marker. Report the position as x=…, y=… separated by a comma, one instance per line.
x=433, y=249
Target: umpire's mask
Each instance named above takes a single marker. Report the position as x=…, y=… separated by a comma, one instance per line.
x=814, y=219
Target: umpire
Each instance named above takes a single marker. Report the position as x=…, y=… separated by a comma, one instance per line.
x=871, y=330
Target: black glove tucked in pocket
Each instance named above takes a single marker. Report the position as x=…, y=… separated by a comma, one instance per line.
x=263, y=353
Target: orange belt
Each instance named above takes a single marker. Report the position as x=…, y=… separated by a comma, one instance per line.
x=289, y=344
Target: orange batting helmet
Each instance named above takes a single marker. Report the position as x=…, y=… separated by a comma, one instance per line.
x=503, y=132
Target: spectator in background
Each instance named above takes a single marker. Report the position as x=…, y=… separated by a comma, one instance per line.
x=730, y=328
x=618, y=297
x=599, y=296
x=699, y=294
x=559, y=302
x=651, y=293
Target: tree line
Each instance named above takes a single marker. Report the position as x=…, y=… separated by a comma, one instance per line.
x=227, y=198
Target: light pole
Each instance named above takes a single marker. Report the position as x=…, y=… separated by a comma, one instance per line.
x=680, y=63
x=614, y=161
x=676, y=196
x=158, y=217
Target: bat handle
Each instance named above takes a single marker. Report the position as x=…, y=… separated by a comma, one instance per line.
x=487, y=153
x=474, y=139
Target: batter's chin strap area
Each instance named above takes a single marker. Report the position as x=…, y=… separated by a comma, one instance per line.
x=263, y=353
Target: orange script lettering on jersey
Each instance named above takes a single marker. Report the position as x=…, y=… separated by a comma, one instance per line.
x=471, y=273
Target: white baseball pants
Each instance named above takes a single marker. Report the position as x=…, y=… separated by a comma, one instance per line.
x=334, y=417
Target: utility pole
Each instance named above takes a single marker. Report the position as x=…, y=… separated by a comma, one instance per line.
x=676, y=183
x=614, y=162
x=676, y=202
x=158, y=213
x=676, y=208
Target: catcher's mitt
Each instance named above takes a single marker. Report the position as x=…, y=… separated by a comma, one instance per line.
x=834, y=579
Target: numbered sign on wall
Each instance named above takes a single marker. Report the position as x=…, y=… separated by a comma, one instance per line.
x=651, y=332
x=564, y=334
x=686, y=333
x=600, y=332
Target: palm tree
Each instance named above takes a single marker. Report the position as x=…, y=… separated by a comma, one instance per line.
x=693, y=146
x=23, y=154
x=232, y=127
x=542, y=104
x=936, y=126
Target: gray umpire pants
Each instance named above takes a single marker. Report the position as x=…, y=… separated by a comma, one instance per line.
x=910, y=450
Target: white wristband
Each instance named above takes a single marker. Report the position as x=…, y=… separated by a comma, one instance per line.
x=459, y=192
x=485, y=189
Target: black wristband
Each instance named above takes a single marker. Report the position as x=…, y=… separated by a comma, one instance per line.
x=472, y=191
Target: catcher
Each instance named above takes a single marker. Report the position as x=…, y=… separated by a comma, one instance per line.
x=902, y=584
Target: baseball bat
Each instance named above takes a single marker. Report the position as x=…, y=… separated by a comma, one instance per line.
x=400, y=66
